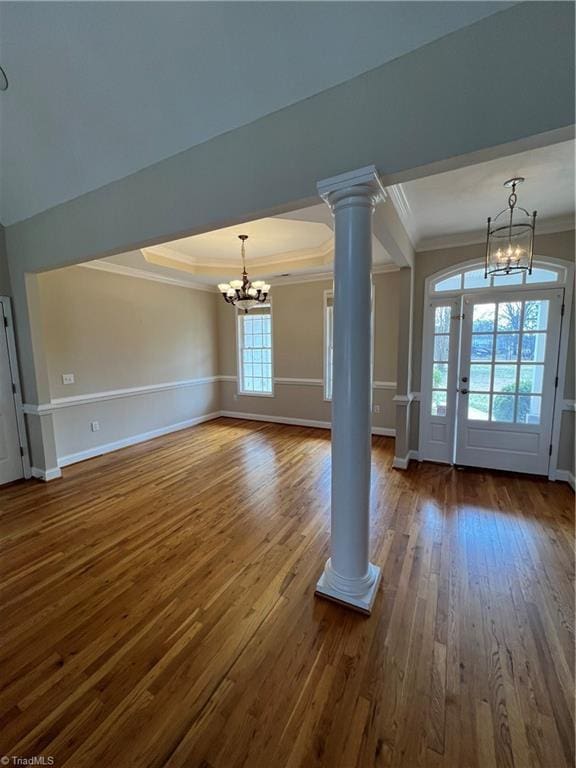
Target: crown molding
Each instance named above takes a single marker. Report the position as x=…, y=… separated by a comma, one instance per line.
x=543, y=227
x=378, y=269
x=119, y=269
x=142, y=274
x=400, y=202
x=262, y=263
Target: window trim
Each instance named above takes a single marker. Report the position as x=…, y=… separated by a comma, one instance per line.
x=239, y=347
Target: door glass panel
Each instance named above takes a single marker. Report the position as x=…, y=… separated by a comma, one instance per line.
x=531, y=378
x=478, y=407
x=480, y=377
x=441, y=355
x=438, y=403
x=542, y=276
x=483, y=318
x=503, y=408
x=536, y=315
x=509, y=315
x=507, y=347
x=513, y=279
x=450, y=283
x=442, y=319
x=505, y=378
x=476, y=279
x=528, y=411
x=533, y=347
x=507, y=352
x=482, y=346
x=440, y=376
x=441, y=347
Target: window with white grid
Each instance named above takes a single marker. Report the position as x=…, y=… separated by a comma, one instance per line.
x=255, y=352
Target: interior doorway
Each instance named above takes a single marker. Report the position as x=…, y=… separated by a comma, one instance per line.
x=14, y=463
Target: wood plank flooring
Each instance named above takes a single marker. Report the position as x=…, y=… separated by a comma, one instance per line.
x=158, y=610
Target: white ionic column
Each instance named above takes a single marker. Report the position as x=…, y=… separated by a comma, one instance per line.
x=349, y=577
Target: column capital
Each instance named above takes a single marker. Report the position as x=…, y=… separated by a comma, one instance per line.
x=363, y=184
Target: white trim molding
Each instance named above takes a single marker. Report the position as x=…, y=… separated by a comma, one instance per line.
x=45, y=474
x=403, y=462
x=564, y=475
x=296, y=382
x=145, y=274
x=289, y=420
x=113, y=394
x=99, y=450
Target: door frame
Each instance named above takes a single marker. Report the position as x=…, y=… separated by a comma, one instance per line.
x=567, y=284
x=6, y=312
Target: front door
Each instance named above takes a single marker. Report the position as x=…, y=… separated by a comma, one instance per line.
x=11, y=467
x=506, y=380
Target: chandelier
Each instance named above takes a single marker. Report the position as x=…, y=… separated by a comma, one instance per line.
x=510, y=237
x=242, y=293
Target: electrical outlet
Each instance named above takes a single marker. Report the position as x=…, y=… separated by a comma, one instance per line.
x=95, y=426
x=376, y=409
x=67, y=378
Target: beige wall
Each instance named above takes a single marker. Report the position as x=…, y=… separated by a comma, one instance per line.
x=298, y=351
x=115, y=332
x=559, y=245
x=5, y=289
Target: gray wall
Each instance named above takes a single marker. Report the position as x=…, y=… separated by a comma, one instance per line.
x=5, y=289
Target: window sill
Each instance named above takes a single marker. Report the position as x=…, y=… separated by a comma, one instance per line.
x=255, y=394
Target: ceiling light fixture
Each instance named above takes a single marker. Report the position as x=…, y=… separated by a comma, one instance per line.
x=242, y=293
x=510, y=237
x=3, y=80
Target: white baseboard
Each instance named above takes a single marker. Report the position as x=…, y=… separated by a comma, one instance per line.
x=46, y=474
x=566, y=476
x=402, y=462
x=387, y=431
x=99, y=450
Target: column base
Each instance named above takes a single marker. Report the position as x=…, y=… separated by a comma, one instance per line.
x=361, y=599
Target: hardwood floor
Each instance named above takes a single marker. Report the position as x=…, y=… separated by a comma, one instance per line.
x=158, y=610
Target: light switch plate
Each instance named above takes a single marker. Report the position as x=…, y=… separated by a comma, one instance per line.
x=95, y=426
x=67, y=378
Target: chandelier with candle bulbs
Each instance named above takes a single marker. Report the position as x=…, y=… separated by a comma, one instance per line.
x=242, y=293
x=510, y=237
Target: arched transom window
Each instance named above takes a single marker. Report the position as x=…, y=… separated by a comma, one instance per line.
x=472, y=278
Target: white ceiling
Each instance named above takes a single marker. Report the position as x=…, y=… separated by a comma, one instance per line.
x=267, y=238
x=100, y=90
x=452, y=207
